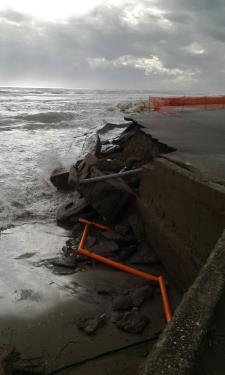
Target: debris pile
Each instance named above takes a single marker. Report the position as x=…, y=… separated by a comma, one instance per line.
x=105, y=184
x=139, y=106
x=106, y=180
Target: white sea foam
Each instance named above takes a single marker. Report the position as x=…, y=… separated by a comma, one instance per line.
x=40, y=130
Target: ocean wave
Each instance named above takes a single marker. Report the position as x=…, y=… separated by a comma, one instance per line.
x=48, y=117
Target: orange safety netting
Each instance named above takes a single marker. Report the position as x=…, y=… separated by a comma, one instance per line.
x=158, y=103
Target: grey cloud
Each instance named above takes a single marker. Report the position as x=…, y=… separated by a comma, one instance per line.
x=183, y=47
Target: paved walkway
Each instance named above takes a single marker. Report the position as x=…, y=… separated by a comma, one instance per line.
x=197, y=136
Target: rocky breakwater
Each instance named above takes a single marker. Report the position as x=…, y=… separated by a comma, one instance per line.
x=106, y=184
x=138, y=106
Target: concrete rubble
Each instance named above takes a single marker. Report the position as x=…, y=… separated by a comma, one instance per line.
x=131, y=107
x=116, y=148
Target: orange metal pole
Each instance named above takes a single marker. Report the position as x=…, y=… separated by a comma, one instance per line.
x=165, y=300
x=123, y=267
x=100, y=226
x=84, y=237
x=118, y=265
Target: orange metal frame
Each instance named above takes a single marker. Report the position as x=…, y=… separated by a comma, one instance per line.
x=122, y=267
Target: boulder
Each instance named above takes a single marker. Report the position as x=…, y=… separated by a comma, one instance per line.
x=110, y=148
x=73, y=177
x=109, y=198
x=81, y=170
x=110, y=165
x=59, y=179
x=144, y=255
x=71, y=211
x=92, y=145
x=105, y=248
x=124, y=105
x=110, y=127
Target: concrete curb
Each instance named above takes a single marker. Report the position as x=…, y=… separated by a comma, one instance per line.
x=178, y=347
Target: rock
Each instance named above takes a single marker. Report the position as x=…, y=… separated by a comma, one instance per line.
x=90, y=241
x=59, y=179
x=68, y=262
x=72, y=210
x=124, y=105
x=77, y=230
x=127, y=251
x=81, y=170
x=144, y=255
x=73, y=180
x=130, y=321
x=142, y=294
x=110, y=234
x=139, y=106
x=109, y=198
x=121, y=303
x=90, y=324
x=110, y=148
x=108, y=165
x=109, y=127
x=137, y=226
x=138, y=145
x=105, y=248
x=135, y=108
x=92, y=145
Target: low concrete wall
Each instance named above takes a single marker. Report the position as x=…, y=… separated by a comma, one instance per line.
x=184, y=215
x=178, y=347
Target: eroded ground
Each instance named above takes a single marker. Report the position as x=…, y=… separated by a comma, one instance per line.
x=41, y=305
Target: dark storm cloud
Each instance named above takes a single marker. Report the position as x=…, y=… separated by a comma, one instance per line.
x=180, y=46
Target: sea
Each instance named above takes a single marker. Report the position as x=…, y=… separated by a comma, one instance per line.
x=42, y=129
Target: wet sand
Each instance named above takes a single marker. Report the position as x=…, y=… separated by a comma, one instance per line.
x=39, y=308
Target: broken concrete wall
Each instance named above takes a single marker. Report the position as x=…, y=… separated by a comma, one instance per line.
x=184, y=215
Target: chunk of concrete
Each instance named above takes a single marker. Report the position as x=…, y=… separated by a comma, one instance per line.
x=92, y=145
x=109, y=198
x=59, y=179
x=90, y=324
x=105, y=248
x=81, y=170
x=122, y=303
x=72, y=210
x=110, y=165
x=142, y=294
x=130, y=321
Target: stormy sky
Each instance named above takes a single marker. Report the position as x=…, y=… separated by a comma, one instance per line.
x=126, y=44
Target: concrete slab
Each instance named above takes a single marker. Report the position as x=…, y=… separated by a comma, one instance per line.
x=197, y=136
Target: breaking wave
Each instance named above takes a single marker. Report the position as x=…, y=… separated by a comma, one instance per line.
x=48, y=117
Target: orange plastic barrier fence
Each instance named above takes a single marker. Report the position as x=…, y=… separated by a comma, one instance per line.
x=159, y=102
x=123, y=267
